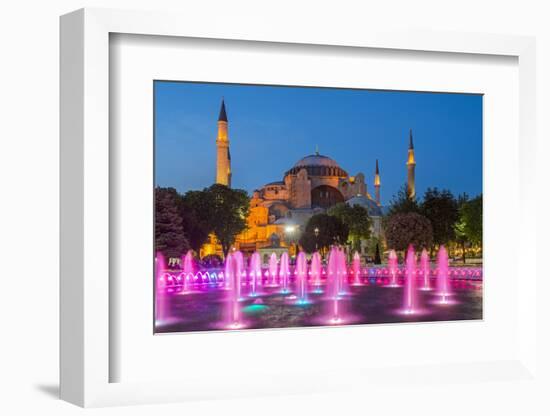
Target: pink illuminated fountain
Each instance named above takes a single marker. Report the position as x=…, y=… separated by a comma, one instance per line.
x=332, y=272
x=188, y=270
x=255, y=273
x=227, y=271
x=392, y=267
x=332, y=266
x=301, y=277
x=334, y=285
x=161, y=308
x=356, y=265
x=342, y=272
x=239, y=271
x=425, y=267
x=233, y=268
x=273, y=269
x=284, y=272
x=443, y=285
x=410, y=303
x=316, y=271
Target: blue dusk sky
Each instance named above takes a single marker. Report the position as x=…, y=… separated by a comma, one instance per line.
x=272, y=127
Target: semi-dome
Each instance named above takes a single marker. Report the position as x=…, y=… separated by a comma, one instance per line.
x=318, y=165
x=364, y=201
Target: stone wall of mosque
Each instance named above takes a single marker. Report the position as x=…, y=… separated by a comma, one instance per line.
x=275, y=192
x=352, y=186
x=300, y=189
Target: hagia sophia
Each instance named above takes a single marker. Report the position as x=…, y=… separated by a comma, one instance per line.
x=279, y=210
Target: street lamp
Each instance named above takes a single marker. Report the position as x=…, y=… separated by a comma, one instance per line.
x=289, y=231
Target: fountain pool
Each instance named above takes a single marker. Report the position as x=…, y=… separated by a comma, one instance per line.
x=246, y=295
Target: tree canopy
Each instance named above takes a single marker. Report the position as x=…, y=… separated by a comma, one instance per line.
x=403, y=229
x=402, y=203
x=441, y=208
x=228, y=213
x=471, y=214
x=331, y=230
x=377, y=258
x=452, y=219
x=183, y=222
x=196, y=211
x=169, y=231
x=356, y=219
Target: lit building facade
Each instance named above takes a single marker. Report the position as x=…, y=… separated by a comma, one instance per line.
x=280, y=209
x=314, y=184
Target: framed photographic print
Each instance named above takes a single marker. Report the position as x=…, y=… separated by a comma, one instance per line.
x=285, y=213
x=256, y=228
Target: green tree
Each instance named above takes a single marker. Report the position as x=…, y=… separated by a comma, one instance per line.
x=170, y=239
x=330, y=231
x=356, y=219
x=401, y=203
x=377, y=258
x=441, y=208
x=471, y=214
x=460, y=226
x=196, y=210
x=403, y=229
x=228, y=213
x=372, y=243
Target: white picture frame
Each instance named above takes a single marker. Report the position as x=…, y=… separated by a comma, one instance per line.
x=86, y=356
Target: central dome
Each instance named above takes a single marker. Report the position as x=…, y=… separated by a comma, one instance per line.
x=318, y=165
x=316, y=160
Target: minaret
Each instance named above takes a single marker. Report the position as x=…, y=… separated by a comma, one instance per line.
x=411, y=164
x=223, y=157
x=377, y=184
